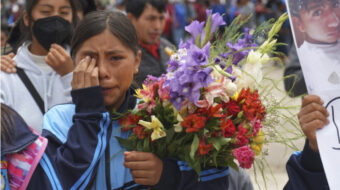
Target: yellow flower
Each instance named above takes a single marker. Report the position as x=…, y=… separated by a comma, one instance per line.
x=178, y=126
x=169, y=51
x=156, y=126
x=257, y=144
x=139, y=94
x=235, y=96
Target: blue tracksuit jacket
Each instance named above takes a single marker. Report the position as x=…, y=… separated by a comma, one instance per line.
x=83, y=154
x=305, y=171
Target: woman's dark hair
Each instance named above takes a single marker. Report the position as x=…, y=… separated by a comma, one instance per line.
x=20, y=33
x=96, y=22
x=6, y=124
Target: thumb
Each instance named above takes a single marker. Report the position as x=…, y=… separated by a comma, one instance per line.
x=11, y=55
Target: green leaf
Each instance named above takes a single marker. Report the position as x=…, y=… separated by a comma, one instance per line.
x=139, y=146
x=194, y=147
x=219, y=142
x=233, y=165
x=169, y=135
x=146, y=146
x=126, y=143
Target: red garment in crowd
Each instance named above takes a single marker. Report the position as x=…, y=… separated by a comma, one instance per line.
x=151, y=48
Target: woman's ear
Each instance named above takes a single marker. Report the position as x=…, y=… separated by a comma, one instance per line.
x=25, y=19
x=137, y=62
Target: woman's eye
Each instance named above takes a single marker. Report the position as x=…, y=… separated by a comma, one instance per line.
x=116, y=58
x=65, y=13
x=45, y=12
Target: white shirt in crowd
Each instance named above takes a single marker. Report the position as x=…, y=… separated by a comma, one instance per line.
x=52, y=88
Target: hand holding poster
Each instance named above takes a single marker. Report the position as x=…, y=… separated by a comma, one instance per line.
x=316, y=29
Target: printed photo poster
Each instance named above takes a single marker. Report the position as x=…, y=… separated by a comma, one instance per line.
x=316, y=30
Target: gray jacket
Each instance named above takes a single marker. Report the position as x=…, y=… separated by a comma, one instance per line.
x=150, y=65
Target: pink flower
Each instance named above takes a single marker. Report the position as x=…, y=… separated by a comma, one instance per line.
x=245, y=156
x=256, y=127
x=214, y=90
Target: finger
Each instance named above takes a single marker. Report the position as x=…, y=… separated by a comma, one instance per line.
x=137, y=165
x=310, y=128
x=59, y=57
x=142, y=173
x=62, y=55
x=88, y=73
x=11, y=55
x=4, y=68
x=94, y=77
x=312, y=107
x=315, y=115
x=137, y=156
x=74, y=82
x=311, y=98
x=8, y=61
x=81, y=72
x=51, y=60
x=60, y=50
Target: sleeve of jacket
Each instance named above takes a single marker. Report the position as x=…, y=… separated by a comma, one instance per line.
x=178, y=175
x=71, y=157
x=305, y=171
x=294, y=81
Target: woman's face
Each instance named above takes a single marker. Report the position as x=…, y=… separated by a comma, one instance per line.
x=49, y=8
x=116, y=63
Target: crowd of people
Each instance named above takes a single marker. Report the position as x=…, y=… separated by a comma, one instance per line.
x=67, y=63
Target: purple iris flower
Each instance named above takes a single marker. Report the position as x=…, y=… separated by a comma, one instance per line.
x=172, y=65
x=239, y=45
x=195, y=28
x=187, y=44
x=216, y=20
x=176, y=100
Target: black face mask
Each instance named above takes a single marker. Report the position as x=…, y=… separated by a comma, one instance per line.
x=52, y=30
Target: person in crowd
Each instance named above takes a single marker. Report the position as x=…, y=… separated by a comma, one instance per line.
x=246, y=8
x=305, y=169
x=294, y=82
x=21, y=150
x=147, y=16
x=218, y=7
x=4, y=37
x=317, y=24
x=83, y=152
x=43, y=63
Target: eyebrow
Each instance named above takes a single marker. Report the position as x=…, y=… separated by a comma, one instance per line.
x=314, y=6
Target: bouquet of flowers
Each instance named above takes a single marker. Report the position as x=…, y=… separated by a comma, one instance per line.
x=206, y=110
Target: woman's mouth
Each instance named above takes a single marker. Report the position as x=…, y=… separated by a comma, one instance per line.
x=107, y=90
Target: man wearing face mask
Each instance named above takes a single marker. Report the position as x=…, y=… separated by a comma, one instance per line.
x=44, y=67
